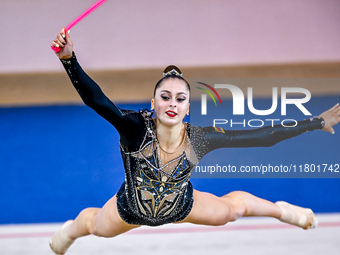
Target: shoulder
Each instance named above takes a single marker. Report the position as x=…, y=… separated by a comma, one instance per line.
x=203, y=131
x=134, y=129
x=198, y=139
x=127, y=112
x=209, y=136
x=131, y=116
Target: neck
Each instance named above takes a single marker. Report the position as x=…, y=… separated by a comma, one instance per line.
x=170, y=137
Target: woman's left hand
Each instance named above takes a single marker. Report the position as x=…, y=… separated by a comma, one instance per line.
x=331, y=118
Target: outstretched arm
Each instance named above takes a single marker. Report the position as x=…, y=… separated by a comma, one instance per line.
x=88, y=90
x=269, y=136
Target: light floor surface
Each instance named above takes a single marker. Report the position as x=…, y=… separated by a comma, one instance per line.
x=245, y=236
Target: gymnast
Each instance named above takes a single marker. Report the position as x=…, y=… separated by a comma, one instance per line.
x=159, y=155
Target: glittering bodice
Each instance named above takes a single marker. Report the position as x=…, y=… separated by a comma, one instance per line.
x=155, y=184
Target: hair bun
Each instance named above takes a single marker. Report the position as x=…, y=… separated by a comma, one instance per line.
x=172, y=71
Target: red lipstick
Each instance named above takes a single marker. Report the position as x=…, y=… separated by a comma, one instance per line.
x=171, y=114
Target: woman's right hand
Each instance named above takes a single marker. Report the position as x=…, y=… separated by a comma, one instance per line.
x=64, y=42
x=331, y=118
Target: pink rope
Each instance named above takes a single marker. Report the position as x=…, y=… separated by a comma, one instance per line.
x=79, y=18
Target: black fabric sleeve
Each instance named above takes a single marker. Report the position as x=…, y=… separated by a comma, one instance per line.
x=262, y=137
x=130, y=126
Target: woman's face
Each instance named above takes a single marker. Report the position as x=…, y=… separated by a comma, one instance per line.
x=171, y=102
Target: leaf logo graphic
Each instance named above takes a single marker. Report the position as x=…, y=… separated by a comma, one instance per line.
x=209, y=93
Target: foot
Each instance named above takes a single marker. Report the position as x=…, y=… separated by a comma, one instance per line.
x=298, y=216
x=60, y=242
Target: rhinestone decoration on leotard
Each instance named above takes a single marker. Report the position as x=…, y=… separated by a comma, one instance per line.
x=158, y=187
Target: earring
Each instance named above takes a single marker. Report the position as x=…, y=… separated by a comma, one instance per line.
x=152, y=105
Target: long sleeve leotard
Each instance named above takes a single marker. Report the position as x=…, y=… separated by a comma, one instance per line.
x=156, y=192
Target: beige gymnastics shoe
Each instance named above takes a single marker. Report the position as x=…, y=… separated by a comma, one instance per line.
x=60, y=242
x=298, y=216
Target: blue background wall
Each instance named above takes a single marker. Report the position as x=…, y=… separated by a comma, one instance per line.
x=57, y=160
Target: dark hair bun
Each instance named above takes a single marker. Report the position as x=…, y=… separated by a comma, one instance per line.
x=172, y=71
x=171, y=67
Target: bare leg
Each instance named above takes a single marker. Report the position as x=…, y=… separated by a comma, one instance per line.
x=82, y=225
x=209, y=209
x=104, y=222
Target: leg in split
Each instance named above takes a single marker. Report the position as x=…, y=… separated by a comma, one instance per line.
x=209, y=209
x=103, y=222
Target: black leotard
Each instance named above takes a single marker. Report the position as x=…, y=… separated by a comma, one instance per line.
x=156, y=193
